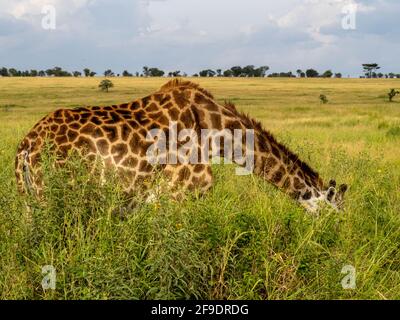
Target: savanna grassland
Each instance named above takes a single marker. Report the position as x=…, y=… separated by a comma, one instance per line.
x=244, y=239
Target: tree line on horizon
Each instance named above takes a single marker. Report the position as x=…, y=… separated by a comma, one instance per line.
x=370, y=71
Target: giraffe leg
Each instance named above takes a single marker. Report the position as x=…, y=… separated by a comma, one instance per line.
x=174, y=180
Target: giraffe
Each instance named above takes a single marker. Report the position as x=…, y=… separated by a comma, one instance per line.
x=117, y=135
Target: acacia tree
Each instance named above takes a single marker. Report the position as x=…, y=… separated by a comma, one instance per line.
x=152, y=72
x=126, y=73
x=109, y=73
x=207, y=73
x=370, y=68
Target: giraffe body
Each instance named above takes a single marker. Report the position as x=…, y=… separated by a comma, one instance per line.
x=117, y=135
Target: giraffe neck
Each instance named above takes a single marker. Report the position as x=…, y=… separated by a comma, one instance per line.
x=281, y=167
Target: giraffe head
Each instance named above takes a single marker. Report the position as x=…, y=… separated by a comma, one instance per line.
x=335, y=196
x=312, y=201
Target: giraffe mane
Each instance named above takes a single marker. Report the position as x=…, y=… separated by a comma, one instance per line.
x=252, y=123
x=180, y=83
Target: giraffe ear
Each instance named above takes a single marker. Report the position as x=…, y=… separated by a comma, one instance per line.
x=332, y=183
x=343, y=188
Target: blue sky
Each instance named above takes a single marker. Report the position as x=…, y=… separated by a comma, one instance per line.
x=191, y=35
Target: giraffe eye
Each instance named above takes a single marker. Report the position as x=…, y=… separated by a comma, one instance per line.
x=307, y=195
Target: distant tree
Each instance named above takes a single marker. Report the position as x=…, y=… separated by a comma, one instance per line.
x=299, y=72
x=105, y=85
x=57, y=72
x=219, y=72
x=49, y=72
x=311, y=73
x=237, y=71
x=137, y=74
x=155, y=72
x=34, y=73
x=125, y=73
x=176, y=73
x=338, y=75
x=92, y=74
x=327, y=74
x=261, y=71
x=13, y=72
x=4, y=72
x=207, y=73
x=392, y=93
x=228, y=73
x=77, y=74
x=86, y=71
x=369, y=68
x=41, y=73
x=248, y=71
x=282, y=75
x=109, y=73
x=195, y=75
x=323, y=99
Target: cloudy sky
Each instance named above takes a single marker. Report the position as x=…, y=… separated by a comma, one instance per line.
x=191, y=35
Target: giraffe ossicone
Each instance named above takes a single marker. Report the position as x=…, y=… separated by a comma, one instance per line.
x=132, y=138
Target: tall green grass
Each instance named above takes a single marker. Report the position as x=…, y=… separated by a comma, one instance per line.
x=243, y=240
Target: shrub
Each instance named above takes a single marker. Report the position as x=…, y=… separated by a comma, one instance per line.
x=323, y=99
x=105, y=85
x=392, y=93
